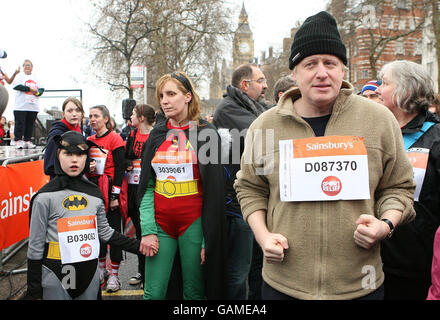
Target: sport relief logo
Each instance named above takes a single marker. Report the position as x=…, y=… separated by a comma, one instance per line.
x=331, y=186
x=85, y=250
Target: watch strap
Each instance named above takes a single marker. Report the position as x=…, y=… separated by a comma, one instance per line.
x=390, y=224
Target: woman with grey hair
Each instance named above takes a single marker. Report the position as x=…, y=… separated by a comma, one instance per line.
x=407, y=90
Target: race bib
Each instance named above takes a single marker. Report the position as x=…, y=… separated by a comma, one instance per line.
x=419, y=161
x=324, y=168
x=173, y=165
x=134, y=175
x=78, y=239
x=100, y=158
x=174, y=173
x=30, y=97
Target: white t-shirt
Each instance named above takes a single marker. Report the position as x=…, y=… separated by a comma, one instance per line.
x=26, y=101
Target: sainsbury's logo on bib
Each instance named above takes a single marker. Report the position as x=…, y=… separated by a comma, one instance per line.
x=329, y=146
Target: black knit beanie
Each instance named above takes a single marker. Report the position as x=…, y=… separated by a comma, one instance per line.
x=317, y=35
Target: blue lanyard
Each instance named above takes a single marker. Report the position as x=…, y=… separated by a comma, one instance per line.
x=410, y=138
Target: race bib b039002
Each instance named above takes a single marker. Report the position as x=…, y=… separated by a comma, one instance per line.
x=323, y=169
x=78, y=239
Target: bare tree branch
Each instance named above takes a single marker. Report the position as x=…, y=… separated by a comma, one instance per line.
x=165, y=35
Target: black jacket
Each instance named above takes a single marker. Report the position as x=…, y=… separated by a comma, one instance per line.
x=58, y=128
x=213, y=219
x=408, y=253
x=236, y=111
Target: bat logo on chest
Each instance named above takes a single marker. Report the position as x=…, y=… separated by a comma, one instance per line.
x=75, y=202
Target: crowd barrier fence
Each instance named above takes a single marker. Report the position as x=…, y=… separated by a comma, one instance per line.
x=20, y=178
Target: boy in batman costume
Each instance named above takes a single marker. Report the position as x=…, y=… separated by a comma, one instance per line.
x=67, y=221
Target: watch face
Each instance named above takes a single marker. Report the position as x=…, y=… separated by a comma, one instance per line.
x=244, y=47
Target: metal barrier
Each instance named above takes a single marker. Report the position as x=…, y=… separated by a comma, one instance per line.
x=10, y=252
x=32, y=157
x=13, y=249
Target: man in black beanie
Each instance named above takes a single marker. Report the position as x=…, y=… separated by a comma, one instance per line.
x=318, y=34
x=335, y=182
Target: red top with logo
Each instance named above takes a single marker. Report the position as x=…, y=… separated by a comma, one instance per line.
x=139, y=141
x=109, y=142
x=178, y=198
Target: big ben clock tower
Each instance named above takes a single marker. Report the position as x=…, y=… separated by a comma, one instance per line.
x=243, y=46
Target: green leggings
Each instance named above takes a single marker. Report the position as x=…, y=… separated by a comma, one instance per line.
x=158, y=268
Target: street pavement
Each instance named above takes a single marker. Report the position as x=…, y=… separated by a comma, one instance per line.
x=127, y=269
x=13, y=276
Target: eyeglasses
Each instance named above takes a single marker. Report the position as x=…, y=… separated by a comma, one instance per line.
x=260, y=81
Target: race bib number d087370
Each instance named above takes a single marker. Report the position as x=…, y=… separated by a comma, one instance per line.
x=324, y=168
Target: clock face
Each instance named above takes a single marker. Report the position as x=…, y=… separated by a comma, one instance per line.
x=244, y=47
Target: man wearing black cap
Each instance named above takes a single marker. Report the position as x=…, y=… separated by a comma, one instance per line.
x=325, y=180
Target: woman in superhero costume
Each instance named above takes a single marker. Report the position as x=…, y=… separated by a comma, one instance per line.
x=67, y=222
x=181, y=197
x=142, y=119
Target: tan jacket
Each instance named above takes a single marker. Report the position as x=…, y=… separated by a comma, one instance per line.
x=323, y=261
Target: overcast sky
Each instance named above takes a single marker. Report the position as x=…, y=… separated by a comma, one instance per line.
x=271, y=21
x=48, y=32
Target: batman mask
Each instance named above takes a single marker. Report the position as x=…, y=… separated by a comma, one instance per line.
x=73, y=142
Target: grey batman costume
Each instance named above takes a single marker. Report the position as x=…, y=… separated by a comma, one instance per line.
x=67, y=221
